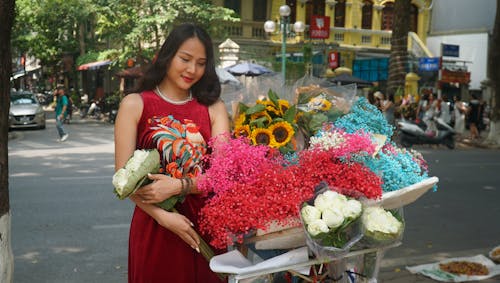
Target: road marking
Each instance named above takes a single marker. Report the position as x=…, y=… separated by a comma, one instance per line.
x=112, y=226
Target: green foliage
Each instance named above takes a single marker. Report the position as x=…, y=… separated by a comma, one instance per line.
x=106, y=29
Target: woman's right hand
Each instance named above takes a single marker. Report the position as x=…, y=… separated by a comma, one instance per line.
x=180, y=225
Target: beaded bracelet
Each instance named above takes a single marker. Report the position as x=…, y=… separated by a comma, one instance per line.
x=185, y=188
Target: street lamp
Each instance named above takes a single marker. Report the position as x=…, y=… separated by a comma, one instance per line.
x=270, y=26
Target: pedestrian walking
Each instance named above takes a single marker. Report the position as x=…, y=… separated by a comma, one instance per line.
x=69, y=109
x=180, y=88
x=61, y=112
x=459, y=110
x=474, y=116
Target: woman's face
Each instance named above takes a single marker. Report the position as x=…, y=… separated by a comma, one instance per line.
x=188, y=64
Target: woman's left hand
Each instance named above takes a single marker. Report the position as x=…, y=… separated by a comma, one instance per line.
x=162, y=188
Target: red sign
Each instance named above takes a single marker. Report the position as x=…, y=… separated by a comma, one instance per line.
x=320, y=27
x=333, y=59
x=449, y=76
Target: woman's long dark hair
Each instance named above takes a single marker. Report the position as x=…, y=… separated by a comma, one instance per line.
x=207, y=89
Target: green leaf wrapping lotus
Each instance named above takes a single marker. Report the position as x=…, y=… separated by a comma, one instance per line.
x=134, y=174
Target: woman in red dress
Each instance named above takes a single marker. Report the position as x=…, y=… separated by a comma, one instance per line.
x=177, y=106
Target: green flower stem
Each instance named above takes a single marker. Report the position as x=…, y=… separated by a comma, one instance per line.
x=205, y=250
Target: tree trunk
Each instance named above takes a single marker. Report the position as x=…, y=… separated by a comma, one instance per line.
x=398, y=59
x=6, y=258
x=494, y=76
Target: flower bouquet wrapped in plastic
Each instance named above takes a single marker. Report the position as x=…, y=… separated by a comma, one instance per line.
x=133, y=175
x=319, y=105
x=331, y=223
x=381, y=227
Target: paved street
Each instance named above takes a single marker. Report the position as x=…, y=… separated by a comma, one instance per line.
x=67, y=226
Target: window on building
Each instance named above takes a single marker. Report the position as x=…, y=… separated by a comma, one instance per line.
x=293, y=10
x=314, y=7
x=372, y=70
x=339, y=14
x=413, y=18
x=234, y=5
x=367, y=14
x=388, y=16
x=259, y=10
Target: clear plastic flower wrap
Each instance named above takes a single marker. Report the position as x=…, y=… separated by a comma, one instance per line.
x=320, y=103
x=331, y=222
x=381, y=227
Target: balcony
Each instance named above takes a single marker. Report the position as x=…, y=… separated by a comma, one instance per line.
x=343, y=37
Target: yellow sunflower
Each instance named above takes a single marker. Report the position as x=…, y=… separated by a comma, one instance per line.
x=261, y=114
x=271, y=109
x=325, y=105
x=261, y=136
x=264, y=102
x=282, y=133
x=240, y=120
x=283, y=105
x=242, y=131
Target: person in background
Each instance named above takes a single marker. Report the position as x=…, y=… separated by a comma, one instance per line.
x=69, y=109
x=444, y=109
x=61, y=112
x=386, y=106
x=180, y=86
x=459, y=110
x=474, y=117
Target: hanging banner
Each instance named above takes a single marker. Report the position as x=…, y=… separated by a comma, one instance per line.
x=333, y=59
x=320, y=27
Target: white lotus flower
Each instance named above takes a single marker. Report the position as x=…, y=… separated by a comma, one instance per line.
x=120, y=178
x=333, y=217
x=316, y=227
x=310, y=213
x=134, y=163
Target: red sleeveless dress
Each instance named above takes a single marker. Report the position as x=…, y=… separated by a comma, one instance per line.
x=155, y=253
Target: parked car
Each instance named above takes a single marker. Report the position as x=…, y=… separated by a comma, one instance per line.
x=25, y=111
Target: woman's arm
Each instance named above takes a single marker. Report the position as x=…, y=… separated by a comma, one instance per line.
x=126, y=123
x=219, y=119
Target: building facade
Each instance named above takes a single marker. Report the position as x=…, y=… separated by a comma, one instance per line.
x=359, y=32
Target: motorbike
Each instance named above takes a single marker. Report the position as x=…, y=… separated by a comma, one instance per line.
x=112, y=115
x=411, y=133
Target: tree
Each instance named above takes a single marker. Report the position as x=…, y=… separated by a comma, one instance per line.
x=494, y=76
x=398, y=60
x=6, y=259
x=106, y=29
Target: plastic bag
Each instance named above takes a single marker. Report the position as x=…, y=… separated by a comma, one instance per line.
x=381, y=227
x=322, y=104
x=336, y=241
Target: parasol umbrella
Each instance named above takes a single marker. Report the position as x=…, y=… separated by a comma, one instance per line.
x=248, y=69
x=226, y=78
x=350, y=79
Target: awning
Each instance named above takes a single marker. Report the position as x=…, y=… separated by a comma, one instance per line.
x=93, y=65
x=134, y=72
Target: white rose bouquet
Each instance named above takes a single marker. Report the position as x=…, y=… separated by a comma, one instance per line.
x=330, y=220
x=380, y=226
